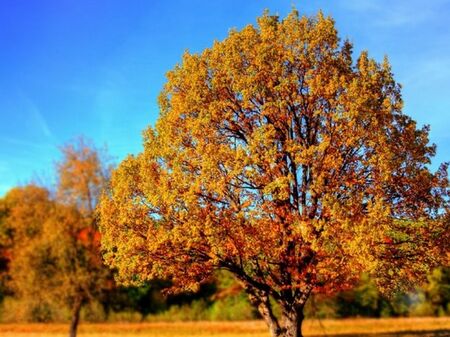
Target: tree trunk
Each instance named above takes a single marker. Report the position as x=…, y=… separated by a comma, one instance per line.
x=292, y=323
x=262, y=303
x=75, y=318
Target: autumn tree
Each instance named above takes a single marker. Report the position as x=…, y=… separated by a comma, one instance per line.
x=83, y=173
x=5, y=243
x=56, y=245
x=279, y=158
x=30, y=265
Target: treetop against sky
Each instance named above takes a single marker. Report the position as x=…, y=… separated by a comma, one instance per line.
x=96, y=68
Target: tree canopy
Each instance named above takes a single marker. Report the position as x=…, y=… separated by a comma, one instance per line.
x=281, y=159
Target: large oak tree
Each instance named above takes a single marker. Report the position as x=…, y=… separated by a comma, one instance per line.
x=282, y=160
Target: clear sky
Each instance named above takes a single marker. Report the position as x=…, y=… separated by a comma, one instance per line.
x=95, y=67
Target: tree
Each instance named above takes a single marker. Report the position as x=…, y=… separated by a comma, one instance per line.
x=280, y=159
x=56, y=245
x=83, y=173
x=5, y=243
x=437, y=291
x=30, y=266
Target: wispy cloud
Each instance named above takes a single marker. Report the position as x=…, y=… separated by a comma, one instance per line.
x=37, y=117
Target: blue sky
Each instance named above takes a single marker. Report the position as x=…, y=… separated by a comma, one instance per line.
x=95, y=68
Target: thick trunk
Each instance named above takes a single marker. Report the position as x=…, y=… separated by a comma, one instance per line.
x=75, y=318
x=292, y=323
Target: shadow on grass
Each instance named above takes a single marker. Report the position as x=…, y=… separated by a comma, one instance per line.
x=413, y=333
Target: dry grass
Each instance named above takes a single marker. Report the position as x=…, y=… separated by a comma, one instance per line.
x=404, y=327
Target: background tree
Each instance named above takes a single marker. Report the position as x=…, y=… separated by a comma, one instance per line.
x=280, y=159
x=56, y=245
x=5, y=245
x=30, y=265
x=82, y=175
x=436, y=299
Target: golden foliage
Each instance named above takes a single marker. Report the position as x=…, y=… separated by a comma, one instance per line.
x=278, y=158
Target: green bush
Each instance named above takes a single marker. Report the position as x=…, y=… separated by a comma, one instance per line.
x=321, y=306
x=231, y=308
x=93, y=312
x=195, y=311
x=125, y=316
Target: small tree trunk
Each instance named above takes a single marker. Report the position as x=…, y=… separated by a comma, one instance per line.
x=75, y=318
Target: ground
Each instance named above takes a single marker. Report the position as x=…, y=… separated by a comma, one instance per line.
x=400, y=327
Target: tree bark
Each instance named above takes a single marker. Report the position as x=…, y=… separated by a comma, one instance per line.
x=262, y=303
x=75, y=318
x=292, y=322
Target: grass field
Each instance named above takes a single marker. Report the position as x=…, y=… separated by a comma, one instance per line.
x=402, y=327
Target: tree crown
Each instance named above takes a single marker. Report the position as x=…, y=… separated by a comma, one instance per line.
x=281, y=159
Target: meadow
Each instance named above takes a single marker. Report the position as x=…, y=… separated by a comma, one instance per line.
x=390, y=327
